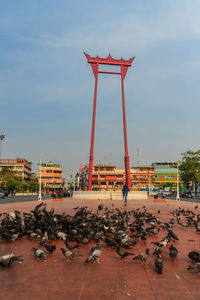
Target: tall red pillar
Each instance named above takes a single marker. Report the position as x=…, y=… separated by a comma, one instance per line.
x=96, y=67
x=126, y=157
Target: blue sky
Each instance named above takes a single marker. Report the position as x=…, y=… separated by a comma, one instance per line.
x=46, y=85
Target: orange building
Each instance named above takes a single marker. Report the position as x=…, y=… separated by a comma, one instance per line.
x=109, y=177
x=51, y=176
x=142, y=177
x=20, y=166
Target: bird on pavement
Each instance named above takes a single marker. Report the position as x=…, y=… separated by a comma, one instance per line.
x=194, y=256
x=8, y=259
x=38, y=253
x=158, y=250
x=173, y=235
x=172, y=252
x=68, y=254
x=95, y=255
x=163, y=242
x=50, y=248
x=70, y=246
x=143, y=256
x=158, y=264
x=122, y=253
x=195, y=267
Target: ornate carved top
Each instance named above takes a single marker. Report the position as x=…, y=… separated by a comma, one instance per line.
x=109, y=60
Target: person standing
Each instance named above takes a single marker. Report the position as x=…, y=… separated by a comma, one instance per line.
x=147, y=191
x=125, y=191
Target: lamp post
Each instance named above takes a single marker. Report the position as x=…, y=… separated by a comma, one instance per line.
x=40, y=184
x=74, y=182
x=177, y=180
x=2, y=137
x=149, y=184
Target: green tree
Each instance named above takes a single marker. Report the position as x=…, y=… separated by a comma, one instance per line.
x=12, y=185
x=32, y=186
x=190, y=169
x=5, y=174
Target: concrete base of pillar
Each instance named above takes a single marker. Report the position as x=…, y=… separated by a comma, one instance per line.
x=112, y=195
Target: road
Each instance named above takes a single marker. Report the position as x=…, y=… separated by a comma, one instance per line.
x=196, y=200
x=16, y=199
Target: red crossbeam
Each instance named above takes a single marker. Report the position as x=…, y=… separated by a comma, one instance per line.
x=105, y=72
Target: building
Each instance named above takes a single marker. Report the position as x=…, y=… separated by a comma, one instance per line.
x=83, y=177
x=20, y=166
x=142, y=177
x=165, y=174
x=51, y=176
x=109, y=177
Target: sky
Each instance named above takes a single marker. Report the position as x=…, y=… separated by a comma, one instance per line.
x=47, y=86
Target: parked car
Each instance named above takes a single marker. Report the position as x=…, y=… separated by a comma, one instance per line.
x=166, y=193
x=187, y=194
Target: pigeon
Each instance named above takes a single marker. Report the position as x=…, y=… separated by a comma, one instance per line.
x=194, y=256
x=95, y=255
x=62, y=235
x=70, y=246
x=68, y=254
x=110, y=242
x=122, y=253
x=38, y=253
x=158, y=250
x=173, y=235
x=143, y=256
x=50, y=248
x=8, y=259
x=158, y=264
x=100, y=207
x=163, y=242
x=195, y=267
x=173, y=252
x=39, y=208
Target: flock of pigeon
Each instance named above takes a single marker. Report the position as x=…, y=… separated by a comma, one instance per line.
x=118, y=228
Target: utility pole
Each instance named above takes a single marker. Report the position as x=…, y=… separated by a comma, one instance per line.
x=40, y=183
x=74, y=182
x=149, y=184
x=2, y=137
x=177, y=179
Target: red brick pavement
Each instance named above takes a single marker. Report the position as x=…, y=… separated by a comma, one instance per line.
x=112, y=279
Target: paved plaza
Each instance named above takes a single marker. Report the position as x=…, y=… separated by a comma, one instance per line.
x=113, y=278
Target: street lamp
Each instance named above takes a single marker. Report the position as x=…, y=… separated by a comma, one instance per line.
x=2, y=137
x=177, y=180
x=149, y=185
x=40, y=184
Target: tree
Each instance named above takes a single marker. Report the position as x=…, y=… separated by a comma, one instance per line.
x=12, y=185
x=5, y=174
x=190, y=169
x=32, y=186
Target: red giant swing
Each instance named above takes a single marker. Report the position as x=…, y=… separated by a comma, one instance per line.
x=124, y=65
